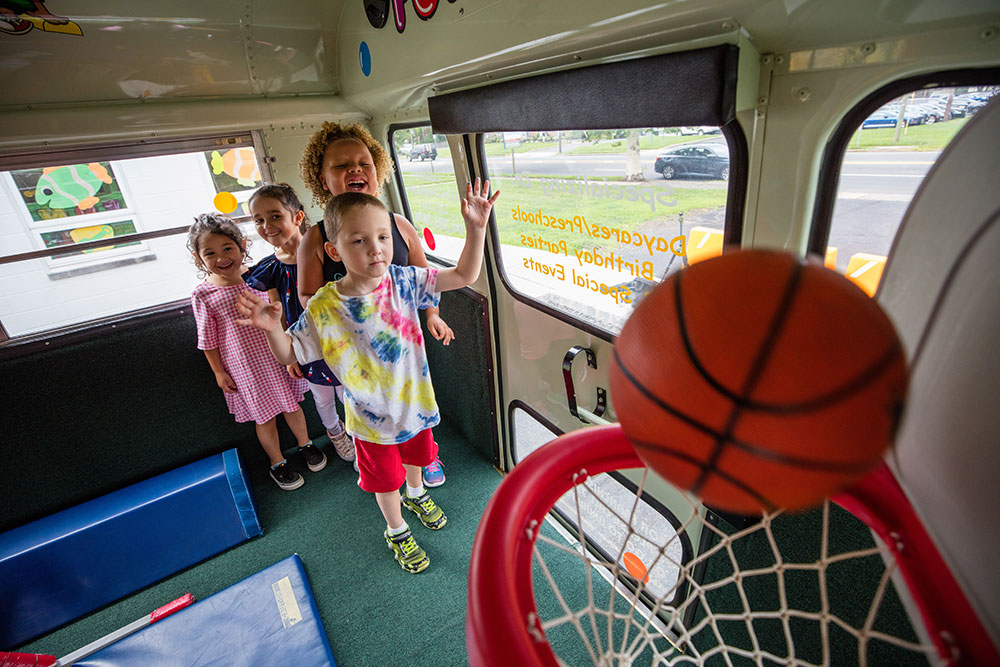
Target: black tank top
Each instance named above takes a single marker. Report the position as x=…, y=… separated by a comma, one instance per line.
x=334, y=270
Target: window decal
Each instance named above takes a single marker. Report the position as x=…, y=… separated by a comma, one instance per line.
x=92, y=233
x=68, y=190
x=234, y=169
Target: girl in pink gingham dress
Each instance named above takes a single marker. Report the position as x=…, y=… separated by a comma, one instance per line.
x=257, y=388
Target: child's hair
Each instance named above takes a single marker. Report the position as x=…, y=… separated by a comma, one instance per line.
x=285, y=195
x=343, y=204
x=311, y=164
x=214, y=223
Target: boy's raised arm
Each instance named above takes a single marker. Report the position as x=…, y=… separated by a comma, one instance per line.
x=476, y=213
x=266, y=317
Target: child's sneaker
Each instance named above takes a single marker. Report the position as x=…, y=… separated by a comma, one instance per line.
x=408, y=553
x=315, y=459
x=285, y=477
x=434, y=473
x=344, y=445
x=426, y=510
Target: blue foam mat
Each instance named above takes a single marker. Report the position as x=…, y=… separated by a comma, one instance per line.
x=59, y=568
x=269, y=618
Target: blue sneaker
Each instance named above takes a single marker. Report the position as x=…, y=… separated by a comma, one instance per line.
x=434, y=473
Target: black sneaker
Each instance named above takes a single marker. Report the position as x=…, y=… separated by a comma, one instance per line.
x=286, y=478
x=315, y=458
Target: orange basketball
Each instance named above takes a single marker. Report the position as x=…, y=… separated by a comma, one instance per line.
x=757, y=381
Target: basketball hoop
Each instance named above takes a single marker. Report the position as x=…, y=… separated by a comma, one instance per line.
x=712, y=613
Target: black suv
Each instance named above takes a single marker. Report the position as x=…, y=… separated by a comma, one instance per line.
x=424, y=152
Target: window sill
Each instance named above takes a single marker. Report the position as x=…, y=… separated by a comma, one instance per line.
x=70, y=272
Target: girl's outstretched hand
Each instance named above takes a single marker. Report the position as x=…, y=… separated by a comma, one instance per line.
x=257, y=312
x=476, y=207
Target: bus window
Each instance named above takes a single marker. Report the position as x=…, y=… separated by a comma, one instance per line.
x=53, y=214
x=600, y=510
x=887, y=158
x=591, y=220
x=427, y=175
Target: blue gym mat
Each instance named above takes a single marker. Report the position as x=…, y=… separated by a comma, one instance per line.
x=268, y=619
x=59, y=568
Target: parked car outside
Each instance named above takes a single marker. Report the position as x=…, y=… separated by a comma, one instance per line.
x=423, y=152
x=912, y=115
x=702, y=159
x=703, y=129
x=879, y=119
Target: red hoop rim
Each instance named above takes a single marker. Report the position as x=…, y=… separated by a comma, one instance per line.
x=501, y=553
x=501, y=599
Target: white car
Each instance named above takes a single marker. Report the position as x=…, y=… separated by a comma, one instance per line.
x=702, y=129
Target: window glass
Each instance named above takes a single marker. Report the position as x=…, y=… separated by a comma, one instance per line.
x=590, y=220
x=63, y=205
x=888, y=157
x=603, y=502
x=424, y=163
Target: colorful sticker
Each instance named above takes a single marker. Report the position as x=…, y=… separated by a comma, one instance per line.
x=378, y=11
x=18, y=17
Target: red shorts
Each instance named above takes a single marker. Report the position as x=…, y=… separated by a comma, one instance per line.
x=381, y=466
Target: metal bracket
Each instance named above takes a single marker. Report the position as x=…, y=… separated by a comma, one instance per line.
x=567, y=369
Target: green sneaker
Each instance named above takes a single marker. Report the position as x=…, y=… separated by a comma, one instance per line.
x=430, y=514
x=408, y=553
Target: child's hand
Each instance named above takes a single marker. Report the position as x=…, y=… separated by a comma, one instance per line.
x=476, y=207
x=257, y=312
x=294, y=371
x=439, y=328
x=225, y=382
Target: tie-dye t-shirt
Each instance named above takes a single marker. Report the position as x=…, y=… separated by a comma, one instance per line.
x=374, y=344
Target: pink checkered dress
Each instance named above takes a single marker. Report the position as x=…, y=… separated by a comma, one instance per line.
x=264, y=387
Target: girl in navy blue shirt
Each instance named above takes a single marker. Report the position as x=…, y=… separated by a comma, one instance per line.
x=281, y=220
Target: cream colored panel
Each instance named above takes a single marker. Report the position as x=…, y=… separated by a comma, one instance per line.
x=148, y=50
x=40, y=128
x=803, y=107
x=942, y=290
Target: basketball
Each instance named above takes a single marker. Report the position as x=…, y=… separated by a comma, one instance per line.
x=757, y=381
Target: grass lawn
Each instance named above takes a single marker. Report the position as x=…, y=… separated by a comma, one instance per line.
x=920, y=137
x=435, y=205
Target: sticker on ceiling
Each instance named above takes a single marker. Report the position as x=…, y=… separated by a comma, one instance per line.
x=366, y=58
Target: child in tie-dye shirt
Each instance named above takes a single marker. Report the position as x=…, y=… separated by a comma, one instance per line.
x=365, y=327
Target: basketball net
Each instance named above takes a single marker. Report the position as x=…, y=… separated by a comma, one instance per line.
x=709, y=591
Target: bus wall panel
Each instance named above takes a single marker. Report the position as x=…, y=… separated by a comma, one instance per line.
x=462, y=372
x=87, y=417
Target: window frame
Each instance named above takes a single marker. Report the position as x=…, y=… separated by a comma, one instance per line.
x=736, y=190
x=401, y=186
x=59, y=267
x=836, y=146
x=110, y=152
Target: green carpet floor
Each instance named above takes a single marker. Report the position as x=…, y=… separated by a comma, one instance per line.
x=374, y=613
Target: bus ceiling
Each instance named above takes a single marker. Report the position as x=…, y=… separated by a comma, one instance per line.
x=389, y=56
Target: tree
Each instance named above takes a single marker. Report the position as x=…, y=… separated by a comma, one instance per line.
x=633, y=166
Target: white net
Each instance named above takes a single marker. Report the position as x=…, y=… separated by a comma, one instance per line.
x=622, y=580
